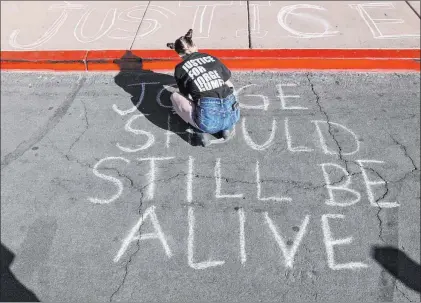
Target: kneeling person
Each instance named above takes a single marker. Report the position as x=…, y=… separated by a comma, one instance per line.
x=212, y=106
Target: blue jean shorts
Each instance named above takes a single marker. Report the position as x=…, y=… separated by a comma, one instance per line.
x=213, y=115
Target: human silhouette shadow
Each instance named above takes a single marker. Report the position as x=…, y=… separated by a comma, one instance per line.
x=11, y=289
x=398, y=264
x=147, y=90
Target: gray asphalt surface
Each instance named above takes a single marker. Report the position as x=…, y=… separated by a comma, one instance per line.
x=248, y=220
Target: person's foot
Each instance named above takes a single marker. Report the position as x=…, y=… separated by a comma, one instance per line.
x=226, y=134
x=203, y=139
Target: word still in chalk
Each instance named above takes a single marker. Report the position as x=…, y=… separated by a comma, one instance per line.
x=340, y=194
x=287, y=254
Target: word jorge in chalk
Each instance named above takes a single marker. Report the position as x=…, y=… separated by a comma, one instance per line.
x=205, y=80
x=322, y=129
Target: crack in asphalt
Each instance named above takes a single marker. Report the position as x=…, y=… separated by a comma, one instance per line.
x=328, y=123
x=405, y=153
x=403, y=294
x=69, y=157
x=321, y=185
x=380, y=225
x=84, y=131
x=126, y=270
x=379, y=208
x=405, y=176
x=346, y=161
x=126, y=267
x=297, y=184
x=414, y=169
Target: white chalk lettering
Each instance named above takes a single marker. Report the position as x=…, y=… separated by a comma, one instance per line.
x=190, y=247
x=330, y=242
x=127, y=16
x=265, y=99
x=375, y=24
x=289, y=141
x=251, y=143
x=343, y=187
x=369, y=184
x=286, y=11
x=158, y=96
x=128, y=127
x=51, y=31
x=134, y=108
x=288, y=254
x=282, y=97
x=323, y=140
x=135, y=236
x=150, y=192
x=254, y=30
x=113, y=180
x=218, y=181
x=259, y=189
x=102, y=31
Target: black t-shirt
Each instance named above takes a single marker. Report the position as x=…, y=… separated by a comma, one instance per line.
x=202, y=75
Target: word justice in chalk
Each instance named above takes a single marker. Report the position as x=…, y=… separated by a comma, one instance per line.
x=287, y=253
x=334, y=189
x=121, y=23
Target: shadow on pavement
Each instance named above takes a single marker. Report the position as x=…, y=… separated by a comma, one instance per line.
x=147, y=88
x=11, y=289
x=397, y=263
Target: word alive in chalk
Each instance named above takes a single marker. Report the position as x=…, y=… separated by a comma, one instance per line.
x=287, y=253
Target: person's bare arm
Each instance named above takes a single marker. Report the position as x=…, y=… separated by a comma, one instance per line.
x=229, y=83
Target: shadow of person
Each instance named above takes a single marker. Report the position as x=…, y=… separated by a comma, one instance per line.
x=398, y=264
x=150, y=96
x=11, y=289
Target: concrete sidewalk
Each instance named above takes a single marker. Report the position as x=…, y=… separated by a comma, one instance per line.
x=28, y=28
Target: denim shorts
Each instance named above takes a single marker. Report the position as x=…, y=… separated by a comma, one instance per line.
x=213, y=114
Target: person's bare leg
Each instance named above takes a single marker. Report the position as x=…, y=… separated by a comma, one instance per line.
x=183, y=107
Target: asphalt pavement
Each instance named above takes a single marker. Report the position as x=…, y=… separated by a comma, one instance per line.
x=105, y=197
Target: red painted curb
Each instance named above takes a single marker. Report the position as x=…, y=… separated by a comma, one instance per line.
x=238, y=59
